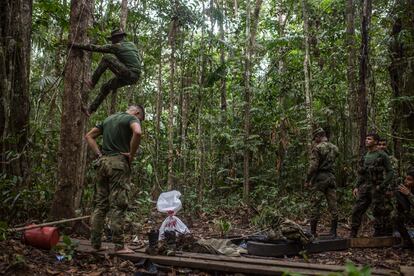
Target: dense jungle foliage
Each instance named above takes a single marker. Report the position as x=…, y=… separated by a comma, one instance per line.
x=195, y=88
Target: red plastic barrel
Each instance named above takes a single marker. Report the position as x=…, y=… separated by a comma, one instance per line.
x=42, y=237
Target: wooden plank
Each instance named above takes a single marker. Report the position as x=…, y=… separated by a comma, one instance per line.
x=228, y=259
x=231, y=262
x=373, y=242
x=255, y=260
x=407, y=270
x=209, y=265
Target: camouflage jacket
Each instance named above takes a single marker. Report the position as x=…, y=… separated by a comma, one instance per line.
x=376, y=170
x=125, y=51
x=322, y=159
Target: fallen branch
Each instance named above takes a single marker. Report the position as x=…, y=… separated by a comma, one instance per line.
x=46, y=224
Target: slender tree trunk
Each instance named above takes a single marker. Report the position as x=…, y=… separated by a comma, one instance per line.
x=363, y=73
x=156, y=189
x=223, y=85
x=251, y=28
x=402, y=81
x=282, y=127
x=124, y=15
x=15, y=41
x=72, y=146
x=306, y=70
x=200, y=130
x=172, y=41
x=351, y=78
x=122, y=26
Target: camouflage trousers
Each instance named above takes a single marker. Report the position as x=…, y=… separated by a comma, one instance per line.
x=323, y=186
x=402, y=214
x=123, y=77
x=111, y=197
x=381, y=208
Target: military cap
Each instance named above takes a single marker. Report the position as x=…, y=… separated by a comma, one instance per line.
x=317, y=132
x=116, y=32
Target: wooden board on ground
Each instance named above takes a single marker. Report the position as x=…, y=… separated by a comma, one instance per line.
x=407, y=270
x=373, y=242
x=227, y=264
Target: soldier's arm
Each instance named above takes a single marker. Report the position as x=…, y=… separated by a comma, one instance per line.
x=90, y=137
x=108, y=48
x=389, y=173
x=136, y=138
x=361, y=173
x=313, y=164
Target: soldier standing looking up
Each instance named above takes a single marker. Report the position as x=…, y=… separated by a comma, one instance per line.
x=374, y=181
x=121, y=138
x=122, y=58
x=321, y=179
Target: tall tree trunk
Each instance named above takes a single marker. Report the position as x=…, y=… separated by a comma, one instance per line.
x=156, y=189
x=402, y=81
x=200, y=131
x=363, y=73
x=15, y=30
x=306, y=70
x=223, y=85
x=282, y=127
x=172, y=41
x=72, y=148
x=351, y=78
x=124, y=15
x=251, y=29
x=122, y=26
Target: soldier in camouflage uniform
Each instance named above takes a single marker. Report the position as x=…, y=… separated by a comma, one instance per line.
x=375, y=177
x=405, y=209
x=122, y=58
x=382, y=145
x=388, y=198
x=121, y=138
x=321, y=179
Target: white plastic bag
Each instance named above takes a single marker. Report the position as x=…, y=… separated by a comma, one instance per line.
x=170, y=203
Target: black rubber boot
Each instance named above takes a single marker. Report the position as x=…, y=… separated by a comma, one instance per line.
x=170, y=241
x=388, y=230
x=406, y=242
x=152, y=248
x=354, y=232
x=334, y=226
x=378, y=232
x=313, y=225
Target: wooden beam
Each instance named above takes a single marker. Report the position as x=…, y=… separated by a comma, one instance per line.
x=223, y=263
x=407, y=270
x=373, y=242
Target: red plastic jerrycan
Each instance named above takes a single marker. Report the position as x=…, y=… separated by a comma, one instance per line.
x=42, y=237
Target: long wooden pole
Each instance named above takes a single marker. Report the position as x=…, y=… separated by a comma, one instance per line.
x=47, y=224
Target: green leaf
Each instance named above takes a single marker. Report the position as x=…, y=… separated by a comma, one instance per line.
x=66, y=240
